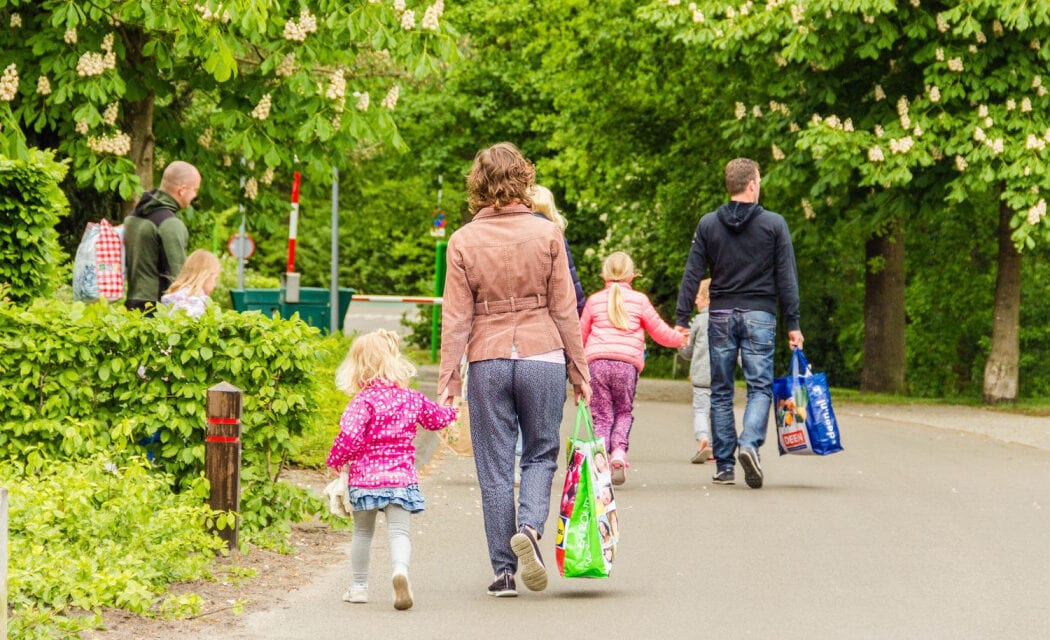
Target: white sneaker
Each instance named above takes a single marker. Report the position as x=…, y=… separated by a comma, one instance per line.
x=356, y=594
x=402, y=592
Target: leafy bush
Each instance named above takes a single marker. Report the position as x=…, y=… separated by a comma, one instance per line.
x=31, y=204
x=88, y=534
x=83, y=380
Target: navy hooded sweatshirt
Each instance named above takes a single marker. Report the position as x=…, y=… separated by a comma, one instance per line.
x=749, y=254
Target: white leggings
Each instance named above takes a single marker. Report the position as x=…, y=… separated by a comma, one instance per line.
x=398, y=528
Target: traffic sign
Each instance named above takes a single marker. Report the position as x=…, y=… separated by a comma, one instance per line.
x=241, y=246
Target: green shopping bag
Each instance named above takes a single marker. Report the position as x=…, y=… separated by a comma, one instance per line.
x=588, y=526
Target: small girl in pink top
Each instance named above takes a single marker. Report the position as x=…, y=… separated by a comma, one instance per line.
x=375, y=442
x=614, y=323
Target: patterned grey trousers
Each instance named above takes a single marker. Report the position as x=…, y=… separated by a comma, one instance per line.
x=506, y=394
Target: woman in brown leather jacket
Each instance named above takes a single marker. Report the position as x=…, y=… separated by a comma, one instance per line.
x=509, y=304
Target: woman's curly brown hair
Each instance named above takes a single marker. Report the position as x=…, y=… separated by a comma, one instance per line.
x=500, y=175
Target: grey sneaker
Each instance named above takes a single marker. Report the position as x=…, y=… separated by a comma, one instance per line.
x=503, y=586
x=724, y=476
x=748, y=457
x=533, y=573
x=357, y=594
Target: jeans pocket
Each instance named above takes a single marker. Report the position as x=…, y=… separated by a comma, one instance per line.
x=761, y=330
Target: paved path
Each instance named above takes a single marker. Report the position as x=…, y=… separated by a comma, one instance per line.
x=934, y=523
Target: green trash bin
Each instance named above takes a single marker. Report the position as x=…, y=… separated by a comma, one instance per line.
x=314, y=306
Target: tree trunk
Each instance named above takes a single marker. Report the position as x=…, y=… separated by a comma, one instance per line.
x=884, y=357
x=1000, y=372
x=138, y=118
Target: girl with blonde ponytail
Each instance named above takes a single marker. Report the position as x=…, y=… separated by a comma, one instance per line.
x=614, y=323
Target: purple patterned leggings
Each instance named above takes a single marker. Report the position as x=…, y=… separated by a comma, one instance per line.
x=612, y=399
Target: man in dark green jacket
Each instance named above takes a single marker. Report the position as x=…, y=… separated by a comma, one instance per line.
x=155, y=238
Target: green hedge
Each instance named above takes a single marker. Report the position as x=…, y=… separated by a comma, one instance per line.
x=31, y=204
x=81, y=380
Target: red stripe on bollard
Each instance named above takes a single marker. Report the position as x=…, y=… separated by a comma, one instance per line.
x=223, y=420
x=221, y=439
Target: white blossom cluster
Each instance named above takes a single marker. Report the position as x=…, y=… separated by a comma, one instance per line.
x=776, y=152
x=408, y=20
x=337, y=89
x=16, y=20
x=362, y=100
x=955, y=64
x=1037, y=212
x=81, y=127
x=880, y=94
x=875, y=154
x=779, y=107
x=219, y=15
x=902, y=145
x=902, y=111
x=262, y=110
x=960, y=163
x=297, y=30
x=109, y=116
x=95, y=64
x=673, y=3
x=43, y=86
x=433, y=14
x=399, y=5
x=878, y=131
x=251, y=189
x=1034, y=143
x=9, y=83
x=807, y=209
x=118, y=144
x=70, y=36
x=286, y=67
x=1037, y=84
x=390, y=100
x=942, y=23
x=933, y=93
x=740, y=111
x=267, y=176
x=1026, y=105
x=205, y=138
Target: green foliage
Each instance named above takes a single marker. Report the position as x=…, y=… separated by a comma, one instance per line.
x=92, y=534
x=313, y=444
x=31, y=204
x=84, y=380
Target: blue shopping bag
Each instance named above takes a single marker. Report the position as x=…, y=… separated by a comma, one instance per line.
x=806, y=423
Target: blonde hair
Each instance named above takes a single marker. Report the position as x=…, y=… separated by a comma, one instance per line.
x=616, y=268
x=543, y=202
x=373, y=356
x=500, y=175
x=199, y=267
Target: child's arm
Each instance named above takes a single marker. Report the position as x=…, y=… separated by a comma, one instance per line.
x=660, y=331
x=434, y=417
x=352, y=425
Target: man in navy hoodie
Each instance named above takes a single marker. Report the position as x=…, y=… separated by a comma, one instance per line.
x=752, y=264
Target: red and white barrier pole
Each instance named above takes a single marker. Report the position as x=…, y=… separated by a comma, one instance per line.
x=291, y=278
x=406, y=299
x=293, y=223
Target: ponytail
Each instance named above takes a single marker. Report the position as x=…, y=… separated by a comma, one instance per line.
x=617, y=311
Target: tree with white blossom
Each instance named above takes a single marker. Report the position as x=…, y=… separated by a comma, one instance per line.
x=122, y=88
x=917, y=100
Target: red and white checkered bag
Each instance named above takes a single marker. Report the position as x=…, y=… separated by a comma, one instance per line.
x=98, y=269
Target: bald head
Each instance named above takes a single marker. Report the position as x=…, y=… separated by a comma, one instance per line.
x=181, y=180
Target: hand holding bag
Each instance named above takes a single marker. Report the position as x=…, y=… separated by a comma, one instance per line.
x=806, y=423
x=588, y=525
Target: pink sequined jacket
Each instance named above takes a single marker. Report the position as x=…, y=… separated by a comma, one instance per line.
x=376, y=433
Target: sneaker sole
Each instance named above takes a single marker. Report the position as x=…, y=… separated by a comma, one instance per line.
x=733, y=481
x=702, y=456
x=402, y=593
x=505, y=593
x=619, y=473
x=533, y=573
x=752, y=473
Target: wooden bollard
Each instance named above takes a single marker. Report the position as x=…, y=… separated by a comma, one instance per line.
x=222, y=455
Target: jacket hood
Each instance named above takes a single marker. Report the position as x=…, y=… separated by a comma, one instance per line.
x=151, y=201
x=737, y=215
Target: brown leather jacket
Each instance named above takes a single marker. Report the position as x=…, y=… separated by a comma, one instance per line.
x=508, y=283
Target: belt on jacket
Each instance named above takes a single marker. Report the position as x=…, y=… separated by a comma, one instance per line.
x=507, y=306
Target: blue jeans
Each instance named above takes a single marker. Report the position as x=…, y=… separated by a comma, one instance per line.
x=752, y=335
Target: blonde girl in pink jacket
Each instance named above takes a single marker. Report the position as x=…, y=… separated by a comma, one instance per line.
x=374, y=450
x=614, y=323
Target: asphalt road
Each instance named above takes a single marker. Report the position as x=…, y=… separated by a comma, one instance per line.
x=362, y=317
x=933, y=523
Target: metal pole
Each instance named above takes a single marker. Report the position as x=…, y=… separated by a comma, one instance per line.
x=439, y=289
x=335, y=253
x=222, y=455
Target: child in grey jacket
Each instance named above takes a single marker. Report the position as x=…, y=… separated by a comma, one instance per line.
x=696, y=351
